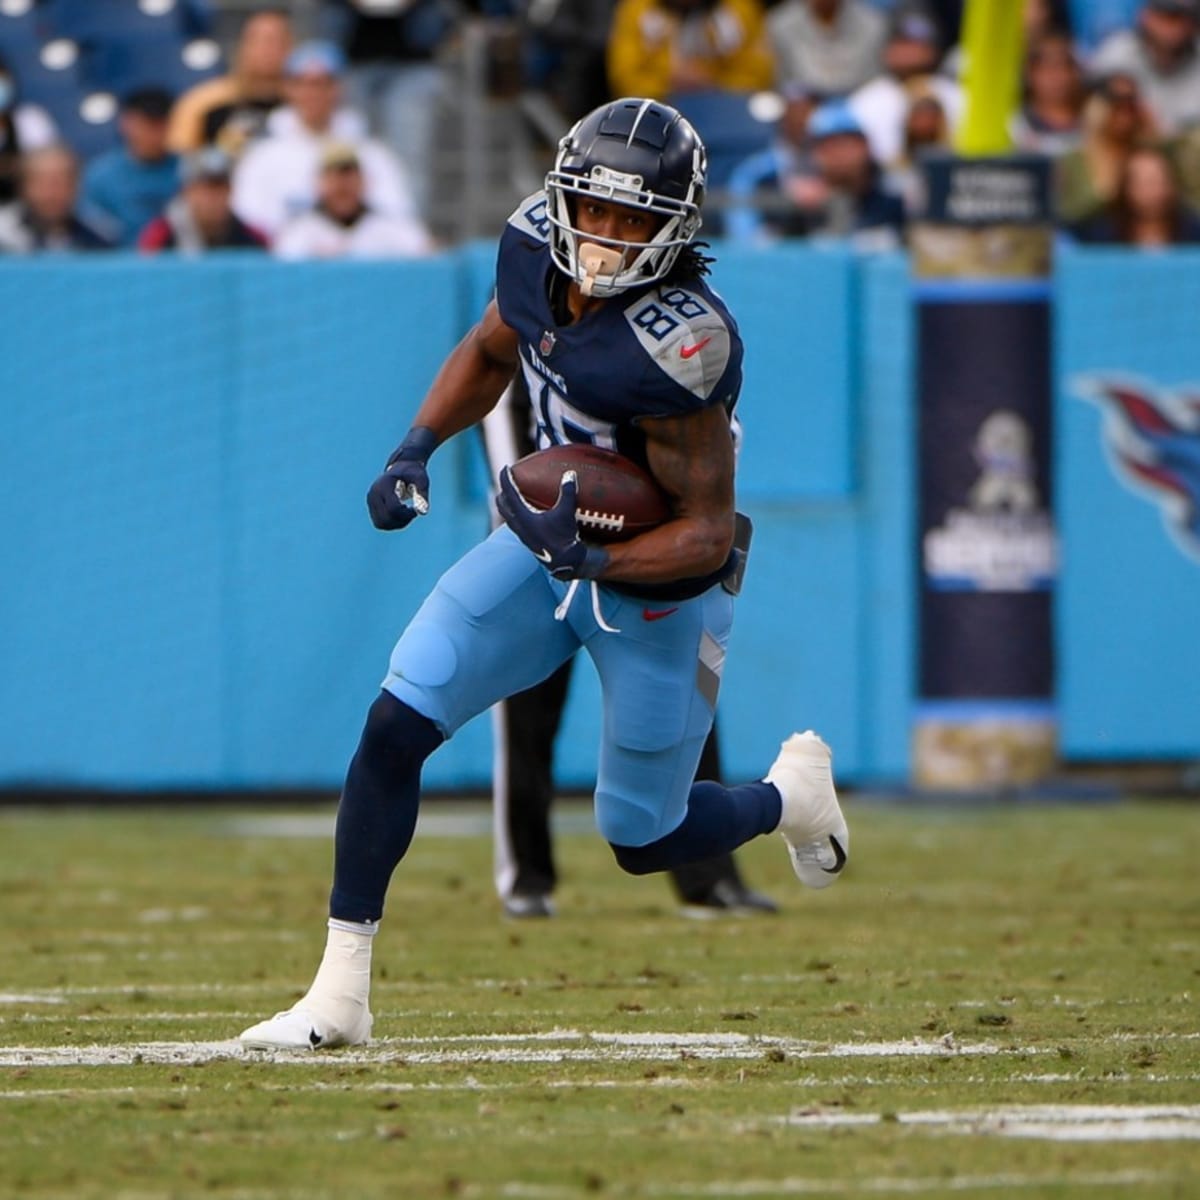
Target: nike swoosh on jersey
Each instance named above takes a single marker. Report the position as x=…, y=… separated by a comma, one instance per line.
x=543, y=555
x=688, y=351
x=657, y=614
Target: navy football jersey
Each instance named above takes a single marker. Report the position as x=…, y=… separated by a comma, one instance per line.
x=660, y=350
x=656, y=351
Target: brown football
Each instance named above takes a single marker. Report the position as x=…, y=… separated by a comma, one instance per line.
x=617, y=498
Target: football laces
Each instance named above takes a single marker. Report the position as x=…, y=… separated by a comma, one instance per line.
x=608, y=522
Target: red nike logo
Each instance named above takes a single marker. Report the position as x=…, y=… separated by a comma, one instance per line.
x=657, y=614
x=688, y=351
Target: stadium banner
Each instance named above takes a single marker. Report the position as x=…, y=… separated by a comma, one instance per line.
x=987, y=549
x=1128, y=482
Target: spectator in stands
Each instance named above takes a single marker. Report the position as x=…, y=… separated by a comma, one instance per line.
x=759, y=210
x=1093, y=21
x=23, y=127
x=1115, y=120
x=129, y=186
x=232, y=111
x=1163, y=55
x=393, y=76
x=847, y=198
x=201, y=217
x=910, y=62
x=1044, y=17
x=829, y=47
x=926, y=130
x=568, y=41
x=838, y=192
x=1185, y=153
x=45, y=217
x=661, y=48
x=1051, y=118
x=1147, y=209
x=277, y=177
x=342, y=225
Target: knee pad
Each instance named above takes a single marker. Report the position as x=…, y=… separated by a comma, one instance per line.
x=394, y=730
x=636, y=860
x=626, y=819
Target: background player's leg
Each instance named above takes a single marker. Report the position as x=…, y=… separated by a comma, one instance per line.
x=526, y=726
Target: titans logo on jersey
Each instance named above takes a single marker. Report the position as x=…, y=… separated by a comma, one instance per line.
x=658, y=351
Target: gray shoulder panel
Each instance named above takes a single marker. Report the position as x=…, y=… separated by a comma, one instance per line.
x=529, y=217
x=684, y=335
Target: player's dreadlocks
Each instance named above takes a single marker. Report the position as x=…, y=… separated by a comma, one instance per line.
x=691, y=265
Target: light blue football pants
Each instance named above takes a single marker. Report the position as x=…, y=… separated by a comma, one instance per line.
x=488, y=630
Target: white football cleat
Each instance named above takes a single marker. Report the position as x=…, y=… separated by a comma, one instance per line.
x=811, y=822
x=301, y=1028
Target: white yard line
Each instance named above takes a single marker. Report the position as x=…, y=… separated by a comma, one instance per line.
x=871, y=1185
x=555, y=1046
x=1050, y=1122
x=885, y=1185
x=550, y=1046
x=471, y=1084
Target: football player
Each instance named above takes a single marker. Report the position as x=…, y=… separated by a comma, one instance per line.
x=601, y=301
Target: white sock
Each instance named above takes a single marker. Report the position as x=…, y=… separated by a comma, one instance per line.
x=342, y=986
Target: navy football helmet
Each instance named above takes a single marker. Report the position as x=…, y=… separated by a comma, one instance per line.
x=635, y=152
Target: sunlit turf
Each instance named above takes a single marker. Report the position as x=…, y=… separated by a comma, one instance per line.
x=1037, y=955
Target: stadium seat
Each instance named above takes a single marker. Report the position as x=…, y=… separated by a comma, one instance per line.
x=729, y=129
x=89, y=125
x=49, y=75
x=21, y=31
x=100, y=20
x=119, y=65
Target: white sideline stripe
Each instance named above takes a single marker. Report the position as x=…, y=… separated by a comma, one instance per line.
x=566, y=1045
x=434, y=824
x=1052, y=1122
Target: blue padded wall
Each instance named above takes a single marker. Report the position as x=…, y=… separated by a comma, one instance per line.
x=192, y=588
x=1129, y=597
x=112, y=380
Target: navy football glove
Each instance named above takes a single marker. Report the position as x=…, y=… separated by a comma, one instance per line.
x=551, y=535
x=401, y=493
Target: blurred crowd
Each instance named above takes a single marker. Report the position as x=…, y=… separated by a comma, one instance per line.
x=319, y=142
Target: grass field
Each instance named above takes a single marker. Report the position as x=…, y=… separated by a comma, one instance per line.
x=993, y=1002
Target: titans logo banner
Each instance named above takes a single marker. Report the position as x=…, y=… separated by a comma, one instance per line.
x=1152, y=437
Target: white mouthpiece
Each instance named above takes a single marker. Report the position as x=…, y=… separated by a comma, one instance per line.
x=597, y=261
